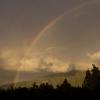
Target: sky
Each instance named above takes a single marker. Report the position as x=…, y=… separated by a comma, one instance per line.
x=49, y=35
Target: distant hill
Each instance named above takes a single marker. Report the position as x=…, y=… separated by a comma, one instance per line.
x=75, y=78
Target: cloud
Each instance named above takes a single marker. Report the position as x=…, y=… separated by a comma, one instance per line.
x=55, y=65
x=11, y=59
x=50, y=49
x=95, y=57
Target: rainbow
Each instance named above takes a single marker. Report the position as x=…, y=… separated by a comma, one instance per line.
x=50, y=25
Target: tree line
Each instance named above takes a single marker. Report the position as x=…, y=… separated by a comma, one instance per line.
x=90, y=89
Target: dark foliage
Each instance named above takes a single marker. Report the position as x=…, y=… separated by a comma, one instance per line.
x=89, y=90
x=92, y=79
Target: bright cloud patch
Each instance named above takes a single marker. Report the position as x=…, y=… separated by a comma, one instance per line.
x=11, y=60
x=95, y=58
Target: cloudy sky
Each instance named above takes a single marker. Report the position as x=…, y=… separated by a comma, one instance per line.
x=49, y=35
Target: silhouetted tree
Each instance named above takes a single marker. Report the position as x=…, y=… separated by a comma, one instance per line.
x=35, y=86
x=95, y=76
x=64, y=91
x=64, y=86
x=92, y=78
x=87, y=80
